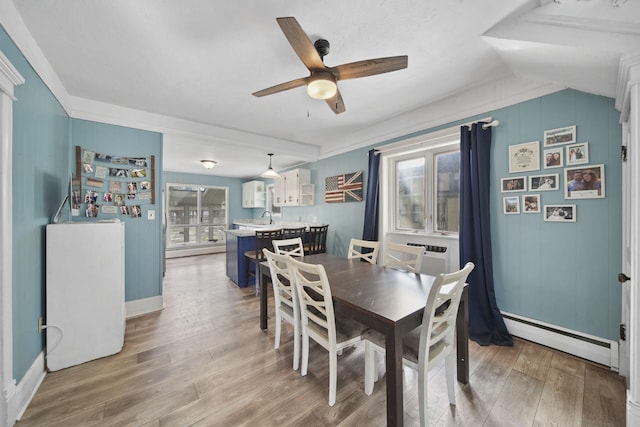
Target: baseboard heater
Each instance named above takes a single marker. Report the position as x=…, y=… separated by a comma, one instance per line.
x=203, y=250
x=589, y=347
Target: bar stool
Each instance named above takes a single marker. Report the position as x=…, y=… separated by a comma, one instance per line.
x=292, y=233
x=256, y=256
x=317, y=240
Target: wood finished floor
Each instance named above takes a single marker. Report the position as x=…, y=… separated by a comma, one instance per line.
x=203, y=361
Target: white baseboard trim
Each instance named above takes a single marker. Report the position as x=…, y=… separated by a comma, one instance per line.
x=21, y=396
x=143, y=306
x=589, y=347
x=177, y=253
x=633, y=412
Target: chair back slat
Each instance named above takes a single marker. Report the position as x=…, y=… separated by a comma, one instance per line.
x=438, y=323
x=264, y=239
x=314, y=296
x=364, y=249
x=292, y=233
x=291, y=247
x=403, y=257
x=317, y=240
x=284, y=292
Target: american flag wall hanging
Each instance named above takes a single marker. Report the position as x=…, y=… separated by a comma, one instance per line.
x=344, y=188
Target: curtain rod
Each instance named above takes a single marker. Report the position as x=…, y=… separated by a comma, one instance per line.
x=431, y=138
x=487, y=122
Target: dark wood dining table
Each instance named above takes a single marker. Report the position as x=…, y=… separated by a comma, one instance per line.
x=388, y=301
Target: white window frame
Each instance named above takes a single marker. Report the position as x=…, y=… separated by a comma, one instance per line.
x=429, y=145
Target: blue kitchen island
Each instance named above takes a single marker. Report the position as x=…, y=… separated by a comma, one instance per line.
x=238, y=242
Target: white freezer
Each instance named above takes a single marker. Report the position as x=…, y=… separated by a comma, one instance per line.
x=84, y=292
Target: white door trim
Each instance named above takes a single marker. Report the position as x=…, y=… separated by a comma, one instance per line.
x=9, y=78
x=628, y=103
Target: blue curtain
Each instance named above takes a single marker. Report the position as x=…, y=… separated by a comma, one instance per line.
x=370, y=229
x=486, y=325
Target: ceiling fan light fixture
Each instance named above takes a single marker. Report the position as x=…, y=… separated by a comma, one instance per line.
x=270, y=173
x=322, y=85
x=208, y=164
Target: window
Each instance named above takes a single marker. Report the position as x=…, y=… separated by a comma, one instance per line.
x=421, y=179
x=196, y=215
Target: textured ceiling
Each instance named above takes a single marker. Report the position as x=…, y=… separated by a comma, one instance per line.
x=188, y=68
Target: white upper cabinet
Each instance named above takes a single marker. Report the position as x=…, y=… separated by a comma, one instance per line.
x=254, y=194
x=294, y=188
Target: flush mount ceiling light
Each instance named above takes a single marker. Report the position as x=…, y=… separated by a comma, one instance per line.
x=270, y=173
x=208, y=164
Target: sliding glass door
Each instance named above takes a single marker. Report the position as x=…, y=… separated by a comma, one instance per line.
x=196, y=215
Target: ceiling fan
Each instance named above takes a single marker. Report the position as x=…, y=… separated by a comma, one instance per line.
x=322, y=82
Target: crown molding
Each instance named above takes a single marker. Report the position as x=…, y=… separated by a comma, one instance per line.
x=628, y=75
x=9, y=77
x=479, y=101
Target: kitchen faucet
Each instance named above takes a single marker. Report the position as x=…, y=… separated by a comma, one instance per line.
x=270, y=219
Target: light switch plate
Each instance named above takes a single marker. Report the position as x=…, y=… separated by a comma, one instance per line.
x=151, y=214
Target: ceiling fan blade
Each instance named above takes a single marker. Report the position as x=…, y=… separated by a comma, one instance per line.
x=336, y=103
x=281, y=87
x=300, y=43
x=369, y=67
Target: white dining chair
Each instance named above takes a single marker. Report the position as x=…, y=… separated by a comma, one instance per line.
x=403, y=257
x=286, y=301
x=357, y=250
x=291, y=247
x=427, y=345
x=318, y=320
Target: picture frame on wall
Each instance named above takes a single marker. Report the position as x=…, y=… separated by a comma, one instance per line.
x=547, y=182
x=584, y=182
x=560, y=213
x=553, y=158
x=577, y=154
x=510, y=185
x=531, y=203
x=511, y=205
x=524, y=157
x=560, y=136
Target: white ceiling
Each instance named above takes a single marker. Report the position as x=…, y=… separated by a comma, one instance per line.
x=188, y=68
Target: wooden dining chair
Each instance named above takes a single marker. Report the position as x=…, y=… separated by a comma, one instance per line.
x=316, y=242
x=403, y=257
x=291, y=247
x=285, y=298
x=318, y=320
x=256, y=256
x=363, y=249
x=427, y=345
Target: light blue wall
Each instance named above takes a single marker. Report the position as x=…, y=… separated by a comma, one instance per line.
x=143, y=237
x=41, y=159
x=234, y=185
x=563, y=274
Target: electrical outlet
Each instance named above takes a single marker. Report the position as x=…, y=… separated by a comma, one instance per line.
x=39, y=325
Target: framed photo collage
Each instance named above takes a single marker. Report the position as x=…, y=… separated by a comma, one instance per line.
x=561, y=163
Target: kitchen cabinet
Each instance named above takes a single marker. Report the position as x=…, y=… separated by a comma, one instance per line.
x=294, y=188
x=254, y=194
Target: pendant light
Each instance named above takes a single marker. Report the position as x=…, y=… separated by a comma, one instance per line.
x=270, y=173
